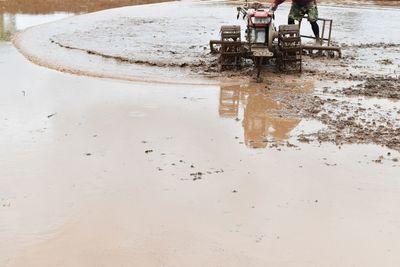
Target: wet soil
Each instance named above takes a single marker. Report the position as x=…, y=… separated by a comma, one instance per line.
x=346, y=122
x=385, y=87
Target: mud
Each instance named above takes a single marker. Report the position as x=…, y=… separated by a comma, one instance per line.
x=385, y=87
x=278, y=106
x=370, y=45
x=347, y=122
x=193, y=66
x=353, y=103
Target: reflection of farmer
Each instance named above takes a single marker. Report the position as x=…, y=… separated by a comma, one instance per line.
x=299, y=9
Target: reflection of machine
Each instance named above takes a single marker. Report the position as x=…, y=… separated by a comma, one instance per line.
x=229, y=101
x=261, y=120
x=260, y=114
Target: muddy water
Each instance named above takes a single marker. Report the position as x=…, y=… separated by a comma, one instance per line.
x=77, y=187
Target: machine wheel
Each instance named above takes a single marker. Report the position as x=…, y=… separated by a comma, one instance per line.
x=289, y=54
x=231, y=46
x=272, y=34
x=258, y=61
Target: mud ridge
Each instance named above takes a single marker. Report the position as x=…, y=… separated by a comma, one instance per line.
x=125, y=59
x=207, y=67
x=370, y=45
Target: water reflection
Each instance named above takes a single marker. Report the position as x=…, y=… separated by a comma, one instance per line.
x=263, y=118
x=12, y=23
x=7, y=26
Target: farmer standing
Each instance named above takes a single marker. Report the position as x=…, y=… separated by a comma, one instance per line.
x=299, y=9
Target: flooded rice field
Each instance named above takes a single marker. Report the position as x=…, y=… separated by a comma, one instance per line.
x=172, y=163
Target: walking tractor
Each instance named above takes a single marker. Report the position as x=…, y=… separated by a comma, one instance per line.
x=263, y=41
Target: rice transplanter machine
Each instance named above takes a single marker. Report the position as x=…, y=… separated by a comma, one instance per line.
x=263, y=41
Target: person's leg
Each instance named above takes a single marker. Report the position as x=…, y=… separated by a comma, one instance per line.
x=315, y=28
x=312, y=12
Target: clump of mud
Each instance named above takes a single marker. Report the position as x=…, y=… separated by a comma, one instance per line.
x=370, y=45
x=385, y=87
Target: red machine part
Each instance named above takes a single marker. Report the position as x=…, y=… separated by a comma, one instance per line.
x=259, y=19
